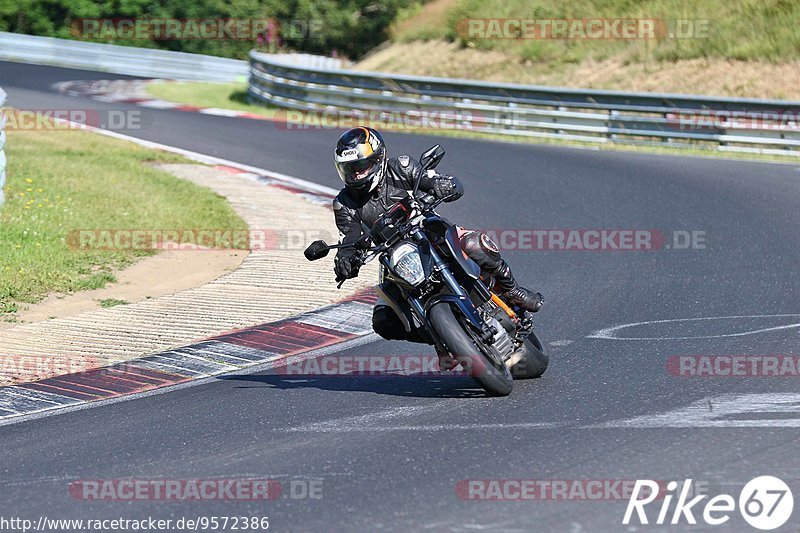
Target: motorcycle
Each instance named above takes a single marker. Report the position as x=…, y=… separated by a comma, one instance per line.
x=423, y=265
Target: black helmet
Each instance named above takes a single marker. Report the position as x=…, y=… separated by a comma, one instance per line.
x=360, y=158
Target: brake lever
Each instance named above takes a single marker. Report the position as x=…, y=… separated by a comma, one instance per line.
x=433, y=205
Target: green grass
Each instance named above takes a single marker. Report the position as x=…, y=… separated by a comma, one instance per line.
x=201, y=94
x=737, y=29
x=60, y=181
x=112, y=302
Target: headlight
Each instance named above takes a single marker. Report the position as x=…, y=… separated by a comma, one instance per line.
x=406, y=263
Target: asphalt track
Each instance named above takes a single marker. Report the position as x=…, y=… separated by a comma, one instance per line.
x=390, y=451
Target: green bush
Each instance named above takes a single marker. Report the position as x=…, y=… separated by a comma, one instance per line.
x=350, y=27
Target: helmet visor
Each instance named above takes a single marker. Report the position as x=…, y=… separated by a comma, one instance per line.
x=358, y=173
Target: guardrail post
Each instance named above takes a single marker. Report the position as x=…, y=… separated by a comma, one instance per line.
x=611, y=117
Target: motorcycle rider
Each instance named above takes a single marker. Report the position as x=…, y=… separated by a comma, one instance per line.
x=373, y=183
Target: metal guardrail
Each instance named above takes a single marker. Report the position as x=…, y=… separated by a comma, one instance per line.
x=599, y=116
x=2, y=146
x=309, y=61
x=145, y=62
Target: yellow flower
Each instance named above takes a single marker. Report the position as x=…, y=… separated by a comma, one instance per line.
x=39, y=190
x=28, y=180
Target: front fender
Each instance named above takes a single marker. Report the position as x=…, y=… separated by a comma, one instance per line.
x=461, y=305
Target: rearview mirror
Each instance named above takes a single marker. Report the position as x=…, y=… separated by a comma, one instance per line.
x=316, y=250
x=431, y=157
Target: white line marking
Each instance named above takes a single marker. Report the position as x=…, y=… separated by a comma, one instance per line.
x=219, y=112
x=365, y=422
x=37, y=395
x=196, y=362
x=609, y=333
x=164, y=367
x=331, y=427
x=769, y=410
x=108, y=98
x=253, y=355
x=209, y=160
x=21, y=400
x=561, y=343
x=157, y=104
x=207, y=353
x=351, y=317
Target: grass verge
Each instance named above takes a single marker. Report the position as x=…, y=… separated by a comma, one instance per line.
x=60, y=181
x=202, y=94
x=733, y=29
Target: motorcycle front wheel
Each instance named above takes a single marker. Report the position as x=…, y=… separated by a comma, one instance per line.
x=494, y=377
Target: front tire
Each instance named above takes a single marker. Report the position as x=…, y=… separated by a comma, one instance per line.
x=496, y=381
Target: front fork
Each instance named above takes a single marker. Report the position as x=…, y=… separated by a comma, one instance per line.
x=457, y=298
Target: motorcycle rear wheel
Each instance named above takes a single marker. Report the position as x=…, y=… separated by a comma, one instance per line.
x=534, y=360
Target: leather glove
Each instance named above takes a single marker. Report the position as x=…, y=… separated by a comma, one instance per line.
x=443, y=187
x=344, y=268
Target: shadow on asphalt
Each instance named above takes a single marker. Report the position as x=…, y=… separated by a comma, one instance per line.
x=406, y=386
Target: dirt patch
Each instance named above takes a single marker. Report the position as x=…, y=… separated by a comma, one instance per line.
x=168, y=272
x=431, y=17
x=720, y=77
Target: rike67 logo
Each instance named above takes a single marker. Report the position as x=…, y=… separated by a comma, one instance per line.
x=765, y=503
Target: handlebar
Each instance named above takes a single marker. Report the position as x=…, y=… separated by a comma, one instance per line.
x=424, y=205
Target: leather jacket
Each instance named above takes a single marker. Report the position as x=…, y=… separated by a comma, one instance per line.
x=351, y=208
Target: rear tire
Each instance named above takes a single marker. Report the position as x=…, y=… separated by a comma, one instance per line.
x=534, y=361
x=496, y=381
